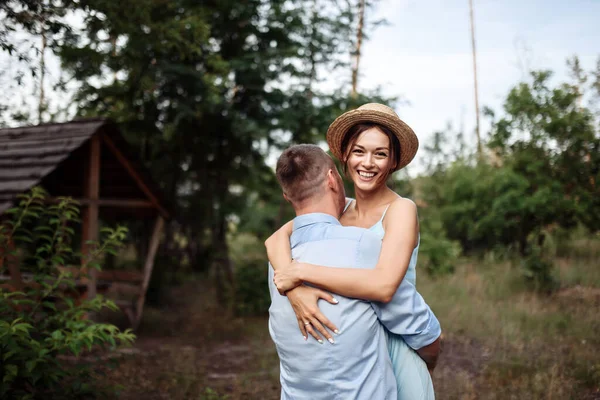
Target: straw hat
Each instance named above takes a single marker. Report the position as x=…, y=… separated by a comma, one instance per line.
x=378, y=114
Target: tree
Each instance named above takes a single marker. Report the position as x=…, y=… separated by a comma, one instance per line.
x=205, y=91
x=553, y=141
x=548, y=147
x=29, y=31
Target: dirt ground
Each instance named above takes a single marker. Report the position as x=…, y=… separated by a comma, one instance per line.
x=189, y=349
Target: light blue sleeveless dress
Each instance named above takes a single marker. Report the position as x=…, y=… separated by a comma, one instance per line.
x=412, y=376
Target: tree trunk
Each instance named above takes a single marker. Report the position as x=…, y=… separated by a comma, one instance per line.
x=42, y=101
x=222, y=266
x=359, y=37
x=477, y=131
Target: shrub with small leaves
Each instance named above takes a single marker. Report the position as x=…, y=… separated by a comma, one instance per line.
x=44, y=323
x=438, y=255
x=537, y=271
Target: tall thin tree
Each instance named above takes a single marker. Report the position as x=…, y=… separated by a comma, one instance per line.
x=477, y=130
x=42, y=99
x=359, y=38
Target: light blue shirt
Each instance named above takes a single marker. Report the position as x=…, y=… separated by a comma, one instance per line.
x=358, y=365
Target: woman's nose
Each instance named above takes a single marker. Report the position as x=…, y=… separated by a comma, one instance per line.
x=368, y=160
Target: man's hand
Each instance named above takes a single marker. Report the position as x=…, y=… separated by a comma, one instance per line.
x=431, y=353
x=304, y=302
x=287, y=278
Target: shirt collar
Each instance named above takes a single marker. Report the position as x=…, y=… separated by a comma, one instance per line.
x=314, y=218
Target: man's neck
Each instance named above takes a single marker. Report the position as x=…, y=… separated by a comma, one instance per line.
x=323, y=207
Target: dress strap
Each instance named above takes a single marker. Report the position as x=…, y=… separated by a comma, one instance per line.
x=347, y=205
x=384, y=211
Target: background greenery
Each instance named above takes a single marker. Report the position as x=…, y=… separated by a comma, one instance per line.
x=210, y=92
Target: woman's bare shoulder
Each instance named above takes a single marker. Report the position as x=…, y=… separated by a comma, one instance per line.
x=402, y=204
x=401, y=211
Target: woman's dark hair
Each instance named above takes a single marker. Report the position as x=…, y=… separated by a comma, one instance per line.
x=354, y=132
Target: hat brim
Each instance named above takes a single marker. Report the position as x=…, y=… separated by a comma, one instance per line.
x=409, y=143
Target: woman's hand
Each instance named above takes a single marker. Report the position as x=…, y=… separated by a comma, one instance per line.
x=304, y=302
x=287, y=278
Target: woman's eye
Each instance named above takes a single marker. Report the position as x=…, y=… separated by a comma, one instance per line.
x=382, y=154
x=357, y=151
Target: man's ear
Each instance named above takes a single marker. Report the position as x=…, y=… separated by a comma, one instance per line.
x=332, y=181
x=286, y=198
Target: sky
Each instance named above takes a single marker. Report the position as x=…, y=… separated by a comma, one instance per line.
x=424, y=54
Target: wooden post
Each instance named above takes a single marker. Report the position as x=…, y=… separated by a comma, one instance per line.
x=148, y=266
x=16, y=282
x=90, y=212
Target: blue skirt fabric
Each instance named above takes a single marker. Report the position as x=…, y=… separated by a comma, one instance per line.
x=412, y=376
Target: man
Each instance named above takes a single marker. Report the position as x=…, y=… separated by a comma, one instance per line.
x=357, y=366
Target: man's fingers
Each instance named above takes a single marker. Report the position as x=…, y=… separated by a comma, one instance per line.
x=325, y=321
x=311, y=331
x=327, y=297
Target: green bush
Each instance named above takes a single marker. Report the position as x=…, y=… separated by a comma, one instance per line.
x=538, y=271
x=249, y=256
x=42, y=324
x=438, y=254
x=252, y=291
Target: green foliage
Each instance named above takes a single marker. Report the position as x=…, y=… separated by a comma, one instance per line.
x=541, y=174
x=552, y=140
x=438, y=255
x=205, y=91
x=546, y=174
x=538, y=272
x=42, y=324
x=479, y=205
x=211, y=394
x=252, y=291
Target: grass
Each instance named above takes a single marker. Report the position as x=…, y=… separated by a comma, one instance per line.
x=504, y=342
x=501, y=340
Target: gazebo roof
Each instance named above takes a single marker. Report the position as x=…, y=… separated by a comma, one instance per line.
x=55, y=157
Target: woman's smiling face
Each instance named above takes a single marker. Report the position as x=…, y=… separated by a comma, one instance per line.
x=368, y=162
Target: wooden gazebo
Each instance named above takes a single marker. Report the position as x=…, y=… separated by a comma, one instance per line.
x=90, y=161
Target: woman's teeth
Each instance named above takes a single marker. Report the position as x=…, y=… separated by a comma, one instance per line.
x=366, y=174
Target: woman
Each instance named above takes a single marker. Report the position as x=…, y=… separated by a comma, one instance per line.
x=372, y=142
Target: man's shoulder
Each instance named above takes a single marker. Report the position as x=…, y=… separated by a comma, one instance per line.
x=345, y=232
x=337, y=232
x=327, y=232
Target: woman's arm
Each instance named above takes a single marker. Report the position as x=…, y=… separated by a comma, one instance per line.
x=379, y=284
x=278, y=246
x=302, y=298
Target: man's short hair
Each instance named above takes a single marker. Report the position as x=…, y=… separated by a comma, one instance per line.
x=301, y=171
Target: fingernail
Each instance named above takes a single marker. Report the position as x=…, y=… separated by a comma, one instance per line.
x=320, y=341
x=304, y=337
x=336, y=331
x=331, y=340
x=335, y=300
